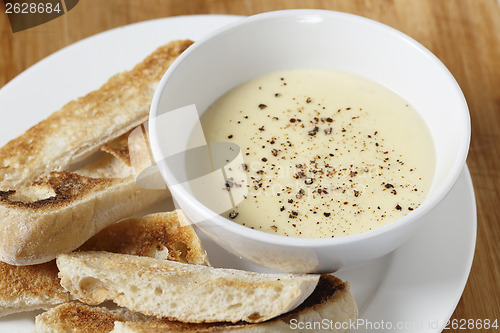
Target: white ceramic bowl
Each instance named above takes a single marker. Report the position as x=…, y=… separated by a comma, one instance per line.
x=291, y=39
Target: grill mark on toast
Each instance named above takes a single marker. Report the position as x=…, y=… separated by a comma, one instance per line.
x=67, y=186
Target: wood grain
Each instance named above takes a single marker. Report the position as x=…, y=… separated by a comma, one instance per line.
x=464, y=34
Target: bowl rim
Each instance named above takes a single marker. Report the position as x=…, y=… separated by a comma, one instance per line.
x=261, y=236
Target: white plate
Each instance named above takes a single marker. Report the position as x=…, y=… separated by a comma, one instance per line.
x=417, y=286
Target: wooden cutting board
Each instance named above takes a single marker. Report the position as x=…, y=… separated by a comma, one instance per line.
x=464, y=34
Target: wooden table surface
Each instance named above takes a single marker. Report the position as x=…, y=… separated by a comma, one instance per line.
x=464, y=34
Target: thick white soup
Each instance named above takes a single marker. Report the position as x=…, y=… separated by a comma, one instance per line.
x=327, y=154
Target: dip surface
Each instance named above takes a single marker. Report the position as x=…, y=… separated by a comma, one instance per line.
x=327, y=154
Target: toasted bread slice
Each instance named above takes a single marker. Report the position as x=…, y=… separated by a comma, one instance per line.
x=160, y=235
x=83, y=125
x=35, y=231
x=27, y=288
x=46, y=210
x=330, y=308
x=75, y=317
x=187, y=293
x=167, y=236
x=331, y=300
x=61, y=211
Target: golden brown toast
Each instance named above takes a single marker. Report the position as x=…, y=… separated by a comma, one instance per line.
x=71, y=209
x=81, y=318
x=160, y=235
x=83, y=125
x=46, y=210
x=332, y=300
x=183, y=292
x=27, y=288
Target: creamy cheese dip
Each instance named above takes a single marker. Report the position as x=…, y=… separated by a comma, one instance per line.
x=327, y=154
